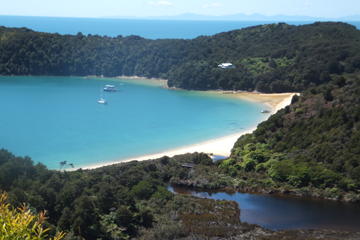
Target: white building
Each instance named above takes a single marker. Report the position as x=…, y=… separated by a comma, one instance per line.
x=226, y=65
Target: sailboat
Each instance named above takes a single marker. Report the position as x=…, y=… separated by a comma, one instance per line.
x=101, y=99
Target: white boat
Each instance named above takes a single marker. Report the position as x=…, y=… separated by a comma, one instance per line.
x=102, y=101
x=110, y=88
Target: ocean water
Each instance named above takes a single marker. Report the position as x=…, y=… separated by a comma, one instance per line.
x=153, y=29
x=53, y=119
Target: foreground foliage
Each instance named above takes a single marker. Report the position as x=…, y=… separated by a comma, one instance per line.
x=21, y=224
x=113, y=202
x=130, y=201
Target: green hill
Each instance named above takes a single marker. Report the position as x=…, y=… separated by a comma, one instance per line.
x=268, y=58
x=129, y=201
x=313, y=143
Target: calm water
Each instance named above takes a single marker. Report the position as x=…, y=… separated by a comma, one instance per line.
x=54, y=119
x=146, y=28
x=279, y=213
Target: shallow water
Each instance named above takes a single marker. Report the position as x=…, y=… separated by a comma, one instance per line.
x=53, y=119
x=281, y=212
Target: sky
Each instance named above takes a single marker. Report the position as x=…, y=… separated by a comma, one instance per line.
x=145, y=8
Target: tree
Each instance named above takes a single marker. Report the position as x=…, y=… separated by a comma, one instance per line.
x=108, y=223
x=143, y=190
x=328, y=95
x=21, y=223
x=62, y=164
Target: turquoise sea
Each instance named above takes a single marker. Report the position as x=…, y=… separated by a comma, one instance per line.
x=152, y=29
x=53, y=119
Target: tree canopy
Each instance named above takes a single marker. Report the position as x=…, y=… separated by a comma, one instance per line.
x=313, y=142
x=267, y=58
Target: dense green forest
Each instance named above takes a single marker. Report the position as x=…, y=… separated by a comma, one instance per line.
x=313, y=143
x=268, y=58
x=115, y=202
x=131, y=201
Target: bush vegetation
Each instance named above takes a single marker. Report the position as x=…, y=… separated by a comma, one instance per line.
x=268, y=58
x=115, y=202
x=311, y=143
x=21, y=223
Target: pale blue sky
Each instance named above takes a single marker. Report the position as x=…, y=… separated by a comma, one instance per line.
x=143, y=8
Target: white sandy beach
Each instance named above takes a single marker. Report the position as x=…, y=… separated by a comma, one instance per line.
x=220, y=146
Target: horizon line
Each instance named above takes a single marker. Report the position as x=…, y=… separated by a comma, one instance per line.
x=183, y=17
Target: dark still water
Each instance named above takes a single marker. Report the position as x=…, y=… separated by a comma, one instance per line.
x=280, y=213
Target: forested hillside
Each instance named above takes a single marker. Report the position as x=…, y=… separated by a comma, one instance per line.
x=313, y=143
x=127, y=201
x=268, y=58
x=115, y=202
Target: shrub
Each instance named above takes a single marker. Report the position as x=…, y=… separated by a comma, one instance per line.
x=21, y=223
x=143, y=190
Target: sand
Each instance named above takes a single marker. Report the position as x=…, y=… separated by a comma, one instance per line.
x=144, y=81
x=220, y=146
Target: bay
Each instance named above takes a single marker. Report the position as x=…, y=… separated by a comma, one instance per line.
x=53, y=119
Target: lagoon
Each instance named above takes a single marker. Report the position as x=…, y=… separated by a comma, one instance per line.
x=53, y=119
x=280, y=212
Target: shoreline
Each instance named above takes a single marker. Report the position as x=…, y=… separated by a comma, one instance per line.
x=275, y=101
x=144, y=81
x=220, y=146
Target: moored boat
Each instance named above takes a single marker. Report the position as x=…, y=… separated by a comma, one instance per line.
x=110, y=88
x=102, y=101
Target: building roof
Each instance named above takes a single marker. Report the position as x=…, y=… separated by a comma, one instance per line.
x=226, y=65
